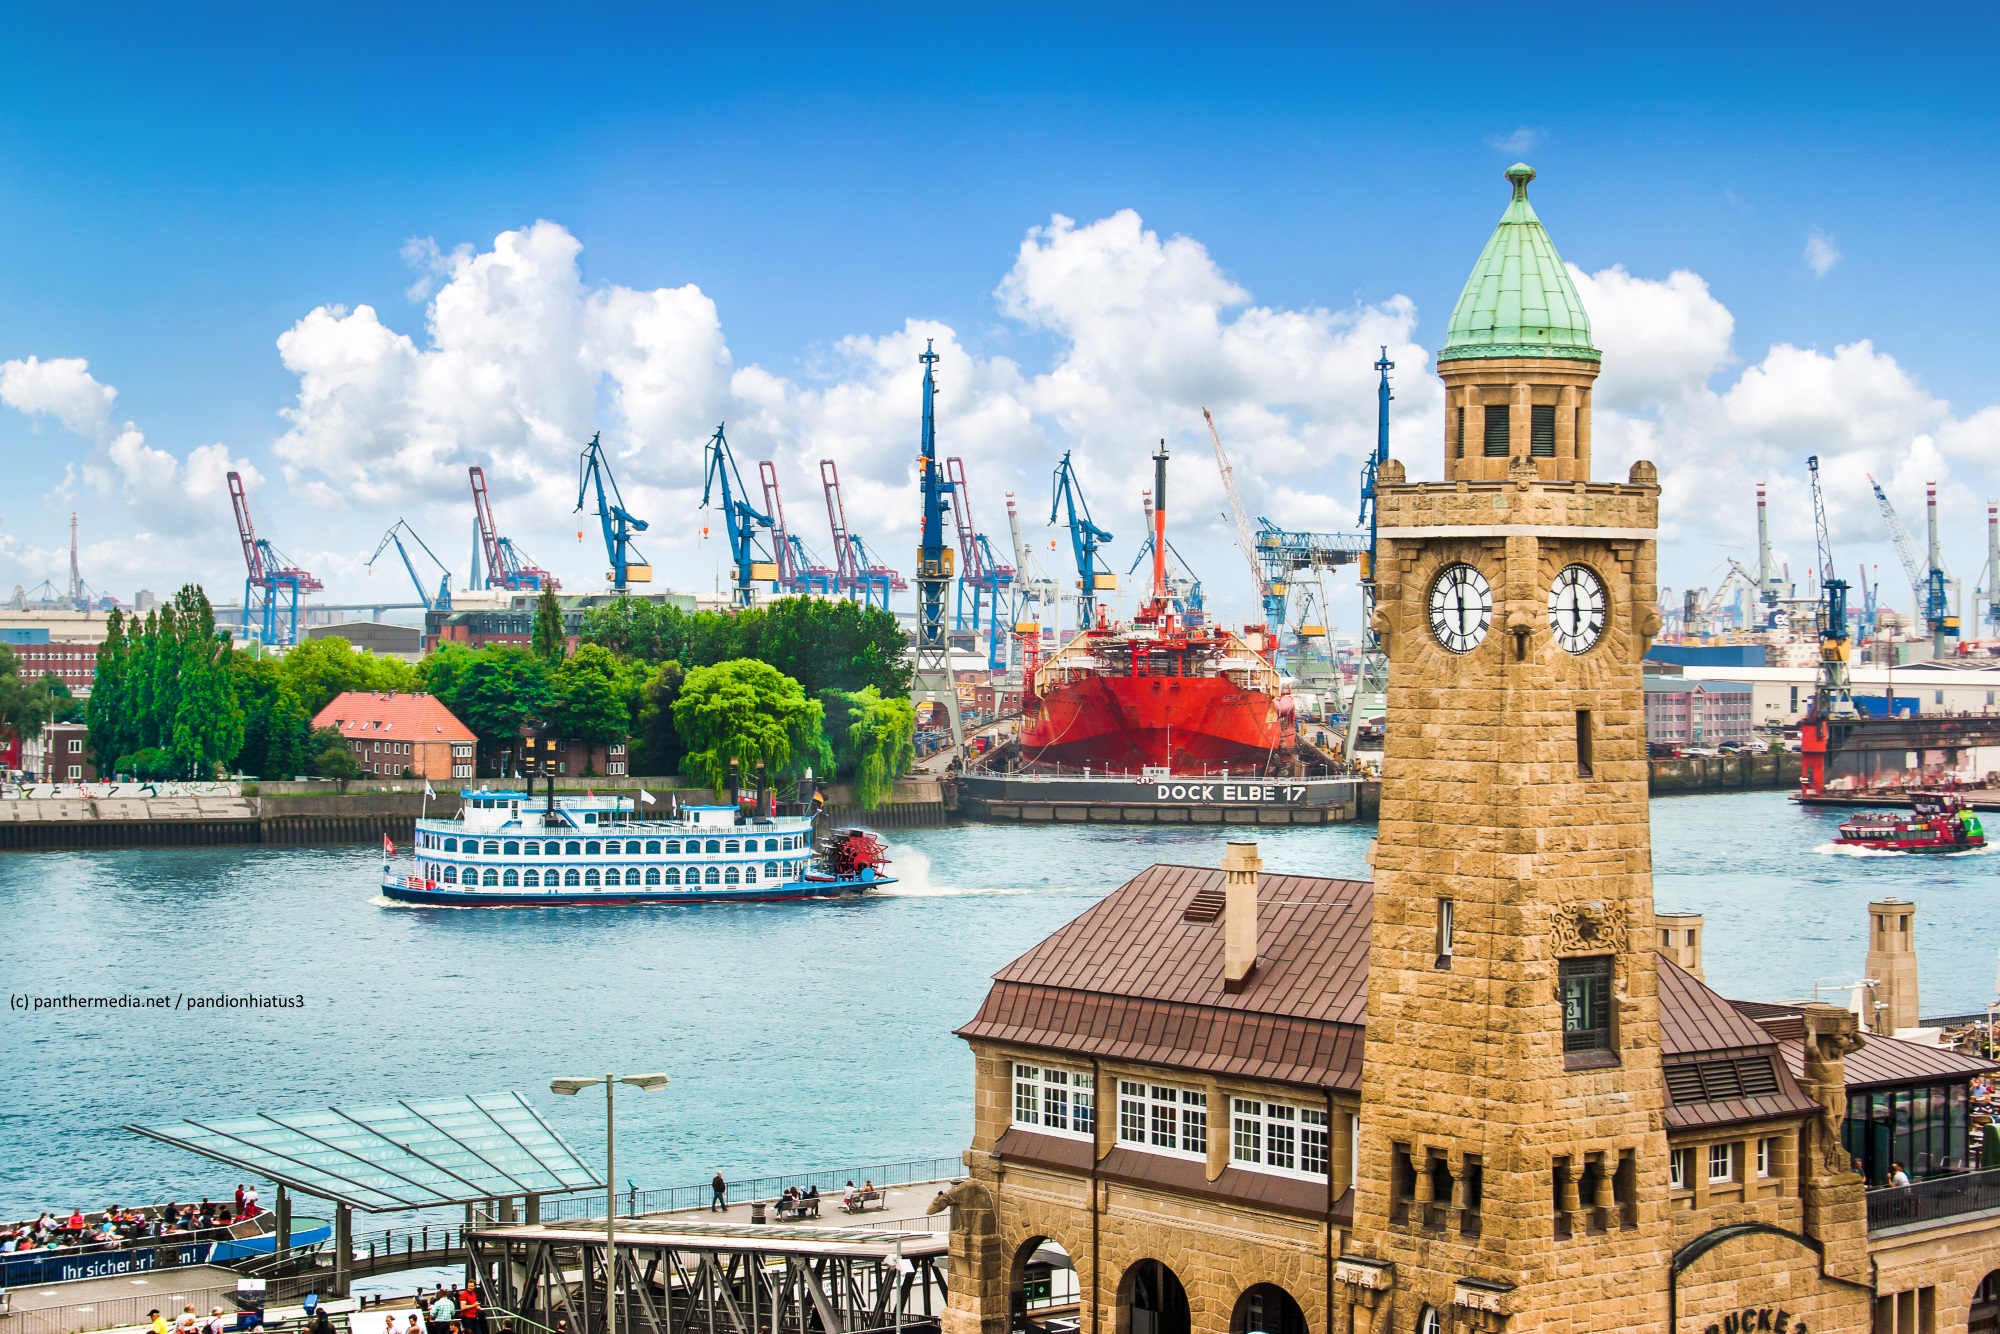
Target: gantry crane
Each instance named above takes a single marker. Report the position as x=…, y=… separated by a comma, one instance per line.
x=506, y=566
x=442, y=600
x=1835, y=696
x=988, y=580
x=1371, y=685
x=1246, y=540
x=932, y=682
x=799, y=571
x=740, y=519
x=627, y=566
x=1085, y=538
x=857, y=576
x=1034, y=590
x=273, y=585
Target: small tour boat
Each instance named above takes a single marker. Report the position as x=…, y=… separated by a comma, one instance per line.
x=1937, y=822
x=503, y=851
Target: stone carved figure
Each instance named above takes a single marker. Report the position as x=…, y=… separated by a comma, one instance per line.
x=1831, y=1036
x=971, y=1206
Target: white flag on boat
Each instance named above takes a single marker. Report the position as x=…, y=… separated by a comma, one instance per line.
x=645, y=796
x=427, y=790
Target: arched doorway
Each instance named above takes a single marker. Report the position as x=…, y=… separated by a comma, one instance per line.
x=1151, y=1300
x=1984, y=1318
x=1267, y=1309
x=1041, y=1285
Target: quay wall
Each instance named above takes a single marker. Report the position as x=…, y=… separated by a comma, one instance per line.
x=295, y=813
x=1725, y=773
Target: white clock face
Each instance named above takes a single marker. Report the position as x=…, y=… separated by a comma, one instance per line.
x=1576, y=608
x=1461, y=608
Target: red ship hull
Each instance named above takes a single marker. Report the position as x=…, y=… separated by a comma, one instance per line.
x=1183, y=723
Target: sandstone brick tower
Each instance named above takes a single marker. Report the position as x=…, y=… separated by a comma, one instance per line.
x=1513, y=1162
x=1891, y=1004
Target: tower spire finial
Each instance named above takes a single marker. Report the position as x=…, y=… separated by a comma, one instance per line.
x=1520, y=174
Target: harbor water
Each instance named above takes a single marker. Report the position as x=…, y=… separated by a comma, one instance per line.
x=801, y=1035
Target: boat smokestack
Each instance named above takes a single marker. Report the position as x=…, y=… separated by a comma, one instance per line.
x=1680, y=939
x=1892, y=967
x=1160, y=525
x=1240, y=865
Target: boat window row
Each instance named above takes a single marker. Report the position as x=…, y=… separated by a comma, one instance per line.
x=591, y=878
x=631, y=847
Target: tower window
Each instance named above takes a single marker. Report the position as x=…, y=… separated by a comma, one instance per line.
x=1585, y=759
x=1444, y=933
x=1585, y=987
x=1498, y=426
x=1461, y=454
x=1542, y=430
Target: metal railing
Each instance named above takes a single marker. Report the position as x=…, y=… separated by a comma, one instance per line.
x=671, y=1199
x=1933, y=1200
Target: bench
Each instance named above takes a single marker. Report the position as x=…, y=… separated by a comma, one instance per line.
x=806, y=1206
x=862, y=1200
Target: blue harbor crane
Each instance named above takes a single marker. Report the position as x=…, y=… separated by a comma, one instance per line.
x=442, y=601
x=274, y=581
x=740, y=519
x=1085, y=537
x=627, y=565
x=984, y=580
x=1835, y=695
x=932, y=681
x=1371, y=687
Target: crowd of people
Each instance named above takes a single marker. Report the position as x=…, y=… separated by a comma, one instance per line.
x=118, y=1226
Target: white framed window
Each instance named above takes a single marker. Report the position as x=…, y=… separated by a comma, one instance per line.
x=1722, y=1162
x=1764, y=1157
x=1163, y=1118
x=76, y=771
x=1428, y=1322
x=1278, y=1137
x=1062, y=1102
x=1680, y=1169
x=76, y=745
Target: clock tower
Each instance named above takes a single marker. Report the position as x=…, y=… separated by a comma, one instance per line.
x=1513, y=1156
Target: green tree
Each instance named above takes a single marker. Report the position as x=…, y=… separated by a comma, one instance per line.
x=321, y=668
x=593, y=696
x=26, y=705
x=649, y=631
x=276, y=726
x=656, y=744
x=109, y=713
x=207, y=727
x=751, y=712
x=329, y=756
x=873, y=740
x=837, y=645
x=548, y=640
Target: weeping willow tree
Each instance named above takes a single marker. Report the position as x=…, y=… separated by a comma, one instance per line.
x=873, y=740
x=751, y=712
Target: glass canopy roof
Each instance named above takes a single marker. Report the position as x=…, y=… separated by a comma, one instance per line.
x=407, y=1155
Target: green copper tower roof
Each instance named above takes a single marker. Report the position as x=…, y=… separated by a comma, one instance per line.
x=1519, y=301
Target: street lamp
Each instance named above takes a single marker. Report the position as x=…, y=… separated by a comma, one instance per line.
x=570, y=1088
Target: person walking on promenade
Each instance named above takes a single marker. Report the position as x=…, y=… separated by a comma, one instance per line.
x=720, y=1189
x=158, y=1321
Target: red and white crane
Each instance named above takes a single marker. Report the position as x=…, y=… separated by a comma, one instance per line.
x=271, y=590
x=506, y=565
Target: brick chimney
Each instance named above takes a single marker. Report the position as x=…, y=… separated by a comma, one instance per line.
x=1240, y=865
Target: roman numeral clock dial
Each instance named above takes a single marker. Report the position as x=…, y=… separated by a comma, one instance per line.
x=1576, y=608
x=1461, y=608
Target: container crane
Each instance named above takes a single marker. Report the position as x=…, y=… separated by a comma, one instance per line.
x=988, y=580
x=627, y=566
x=1928, y=585
x=740, y=519
x=799, y=572
x=1085, y=537
x=442, y=600
x=274, y=583
x=505, y=566
x=933, y=675
x=1835, y=696
x=858, y=576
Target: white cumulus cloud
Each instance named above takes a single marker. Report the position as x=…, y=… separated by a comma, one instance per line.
x=1820, y=253
x=61, y=387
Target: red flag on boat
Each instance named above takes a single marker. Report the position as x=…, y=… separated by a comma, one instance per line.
x=388, y=848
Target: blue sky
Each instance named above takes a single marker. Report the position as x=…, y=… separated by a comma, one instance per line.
x=177, y=192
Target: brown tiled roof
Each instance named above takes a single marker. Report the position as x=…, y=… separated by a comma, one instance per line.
x=1131, y=979
x=1184, y=1176
x=1887, y=1061
x=1695, y=1019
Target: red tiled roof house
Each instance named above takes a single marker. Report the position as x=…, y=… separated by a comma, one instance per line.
x=398, y=735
